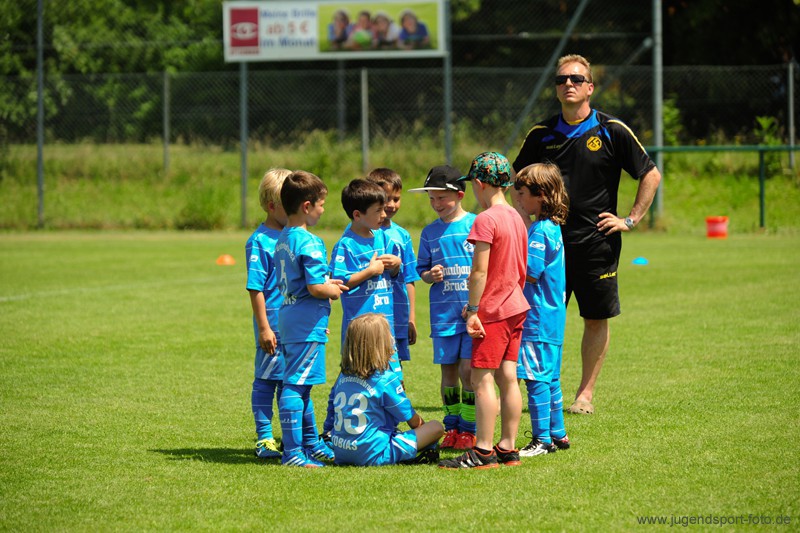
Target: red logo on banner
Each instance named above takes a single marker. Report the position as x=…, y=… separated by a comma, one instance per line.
x=244, y=30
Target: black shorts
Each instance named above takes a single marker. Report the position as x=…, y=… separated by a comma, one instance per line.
x=591, y=271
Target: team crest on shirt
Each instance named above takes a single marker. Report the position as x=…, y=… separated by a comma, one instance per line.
x=468, y=246
x=594, y=143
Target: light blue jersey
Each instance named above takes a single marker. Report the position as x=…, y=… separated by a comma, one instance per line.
x=301, y=260
x=546, y=319
x=402, y=247
x=366, y=415
x=261, y=276
x=445, y=243
x=350, y=255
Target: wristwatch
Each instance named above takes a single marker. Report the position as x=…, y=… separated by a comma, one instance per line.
x=629, y=222
x=472, y=308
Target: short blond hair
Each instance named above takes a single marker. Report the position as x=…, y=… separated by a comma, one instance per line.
x=368, y=345
x=575, y=58
x=269, y=190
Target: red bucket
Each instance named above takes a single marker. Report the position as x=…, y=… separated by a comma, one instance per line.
x=717, y=227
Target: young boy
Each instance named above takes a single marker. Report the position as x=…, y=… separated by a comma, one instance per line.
x=360, y=260
x=403, y=288
x=444, y=261
x=265, y=299
x=303, y=317
x=539, y=191
x=495, y=313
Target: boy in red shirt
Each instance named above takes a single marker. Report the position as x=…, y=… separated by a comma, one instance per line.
x=494, y=314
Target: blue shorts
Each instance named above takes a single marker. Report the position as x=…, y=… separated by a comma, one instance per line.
x=269, y=366
x=394, y=366
x=539, y=361
x=448, y=350
x=402, y=446
x=305, y=363
x=403, y=350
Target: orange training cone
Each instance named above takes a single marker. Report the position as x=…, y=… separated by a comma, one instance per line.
x=226, y=259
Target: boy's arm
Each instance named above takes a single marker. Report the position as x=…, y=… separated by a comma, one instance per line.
x=412, y=313
x=392, y=262
x=477, y=284
x=375, y=268
x=434, y=275
x=331, y=289
x=266, y=337
x=415, y=421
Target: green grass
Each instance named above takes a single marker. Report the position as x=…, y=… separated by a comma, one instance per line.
x=125, y=186
x=126, y=364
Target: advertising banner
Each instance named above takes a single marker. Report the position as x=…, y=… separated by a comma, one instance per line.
x=291, y=31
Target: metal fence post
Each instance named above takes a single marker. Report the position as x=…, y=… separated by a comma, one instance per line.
x=364, y=121
x=40, y=112
x=448, y=89
x=790, y=97
x=243, y=135
x=761, y=188
x=166, y=121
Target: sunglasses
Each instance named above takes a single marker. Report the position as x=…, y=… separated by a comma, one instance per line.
x=576, y=79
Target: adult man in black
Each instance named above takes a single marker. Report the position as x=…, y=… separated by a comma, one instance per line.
x=591, y=148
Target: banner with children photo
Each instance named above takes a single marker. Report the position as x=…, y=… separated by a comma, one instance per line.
x=286, y=31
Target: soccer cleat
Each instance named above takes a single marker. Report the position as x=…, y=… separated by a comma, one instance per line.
x=507, y=457
x=449, y=439
x=320, y=451
x=465, y=441
x=428, y=455
x=561, y=444
x=267, y=449
x=326, y=437
x=471, y=459
x=537, y=447
x=299, y=458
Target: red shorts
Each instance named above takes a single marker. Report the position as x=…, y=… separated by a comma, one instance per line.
x=501, y=343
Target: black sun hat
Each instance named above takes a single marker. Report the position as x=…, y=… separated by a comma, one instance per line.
x=442, y=178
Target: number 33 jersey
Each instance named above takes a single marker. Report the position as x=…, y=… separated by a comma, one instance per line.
x=366, y=414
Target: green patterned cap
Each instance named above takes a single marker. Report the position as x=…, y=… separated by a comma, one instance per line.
x=492, y=168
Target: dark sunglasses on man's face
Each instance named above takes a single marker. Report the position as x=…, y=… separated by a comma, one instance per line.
x=576, y=79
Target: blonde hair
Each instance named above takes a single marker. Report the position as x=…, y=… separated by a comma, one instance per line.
x=269, y=190
x=368, y=345
x=575, y=58
x=545, y=179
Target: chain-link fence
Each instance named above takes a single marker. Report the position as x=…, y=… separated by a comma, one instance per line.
x=713, y=103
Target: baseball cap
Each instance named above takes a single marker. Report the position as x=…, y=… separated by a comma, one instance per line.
x=442, y=178
x=490, y=167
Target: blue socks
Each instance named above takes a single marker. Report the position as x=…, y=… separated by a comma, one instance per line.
x=557, y=428
x=264, y=392
x=539, y=408
x=291, y=408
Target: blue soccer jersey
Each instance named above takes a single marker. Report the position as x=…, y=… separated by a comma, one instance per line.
x=262, y=276
x=547, y=316
x=366, y=415
x=350, y=255
x=445, y=243
x=301, y=260
x=402, y=247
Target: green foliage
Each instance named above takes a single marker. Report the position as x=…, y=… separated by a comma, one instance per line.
x=768, y=132
x=125, y=186
x=673, y=122
x=139, y=376
x=207, y=207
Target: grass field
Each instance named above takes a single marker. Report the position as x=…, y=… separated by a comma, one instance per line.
x=112, y=186
x=126, y=364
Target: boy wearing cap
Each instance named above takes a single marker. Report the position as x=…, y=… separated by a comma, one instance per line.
x=444, y=262
x=495, y=313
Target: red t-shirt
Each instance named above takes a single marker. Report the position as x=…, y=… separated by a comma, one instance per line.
x=502, y=227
